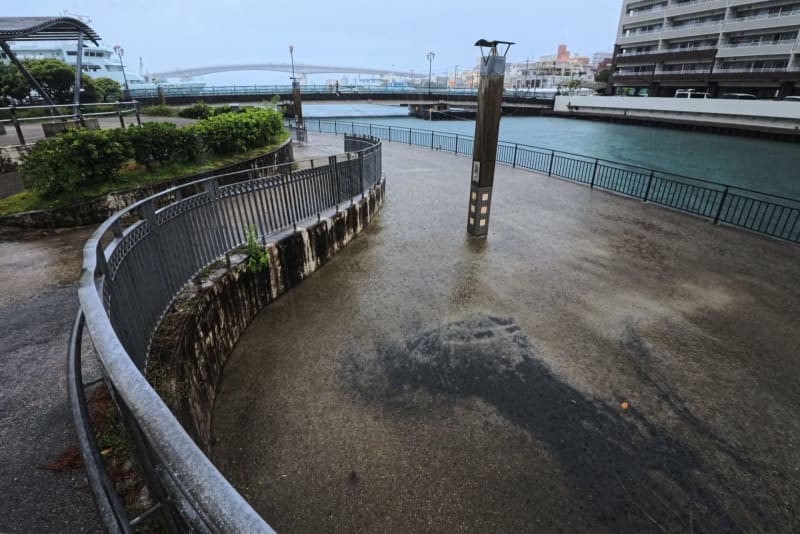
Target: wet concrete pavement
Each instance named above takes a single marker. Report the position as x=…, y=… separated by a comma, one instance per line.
x=38, y=302
x=595, y=365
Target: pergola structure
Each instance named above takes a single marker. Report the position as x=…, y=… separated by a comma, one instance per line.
x=46, y=29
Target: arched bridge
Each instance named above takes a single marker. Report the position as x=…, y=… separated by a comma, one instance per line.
x=299, y=68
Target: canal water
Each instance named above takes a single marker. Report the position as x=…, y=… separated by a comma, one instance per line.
x=761, y=165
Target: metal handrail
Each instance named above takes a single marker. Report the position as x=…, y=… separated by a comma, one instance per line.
x=211, y=211
x=76, y=113
x=765, y=213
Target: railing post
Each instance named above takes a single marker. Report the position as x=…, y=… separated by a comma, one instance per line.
x=335, y=175
x=552, y=157
x=390, y=134
x=431, y=139
x=17, y=126
x=456, y=144
x=649, y=184
x=119, y=114
x=370, y=129
x=721, y=203
x=361, y=171
x=80, y=116
x=594, y=173
x=334, y=128
x=514, y=161
x=136, y=109
x=409, y=137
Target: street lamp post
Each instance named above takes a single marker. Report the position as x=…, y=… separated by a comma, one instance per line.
x=121, y=52
x=430, y=57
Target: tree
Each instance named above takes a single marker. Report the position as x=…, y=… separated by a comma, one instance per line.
x=13, y=85
x=107, y=89
x=58, y=79
x=603, y=75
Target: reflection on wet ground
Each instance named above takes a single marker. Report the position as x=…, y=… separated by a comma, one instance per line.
x=595, y=365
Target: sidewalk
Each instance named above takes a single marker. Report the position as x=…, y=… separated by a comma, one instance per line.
x=38, y=302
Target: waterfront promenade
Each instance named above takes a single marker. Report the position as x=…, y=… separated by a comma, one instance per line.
x=338, y=411
x=596, y=365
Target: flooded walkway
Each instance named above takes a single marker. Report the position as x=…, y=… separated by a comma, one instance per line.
x=595, y=365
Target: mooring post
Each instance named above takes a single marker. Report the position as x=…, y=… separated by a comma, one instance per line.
x=487, y=126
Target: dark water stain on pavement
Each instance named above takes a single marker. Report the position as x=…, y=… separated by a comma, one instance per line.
x=630, y=474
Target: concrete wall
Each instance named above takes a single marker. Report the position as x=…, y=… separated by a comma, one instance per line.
x=198, y=332
x=767, y=114
x=98, y=209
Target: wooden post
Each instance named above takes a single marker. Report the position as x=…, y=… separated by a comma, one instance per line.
x=487, y=127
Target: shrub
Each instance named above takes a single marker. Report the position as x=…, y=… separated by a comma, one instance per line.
x=159, y=110
x=75, y=160
x=162, y=142
x=233, y=133
x=200, y=110
x=6, y=164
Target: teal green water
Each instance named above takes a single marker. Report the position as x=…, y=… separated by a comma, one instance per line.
x=761, y=165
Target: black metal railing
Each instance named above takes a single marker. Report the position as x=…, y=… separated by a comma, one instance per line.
x=773, y=215
x=130, y=277
x=19, y=115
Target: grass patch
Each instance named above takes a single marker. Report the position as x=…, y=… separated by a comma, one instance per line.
x=132, y=175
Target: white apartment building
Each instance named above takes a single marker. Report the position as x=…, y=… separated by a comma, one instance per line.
x=718, y=46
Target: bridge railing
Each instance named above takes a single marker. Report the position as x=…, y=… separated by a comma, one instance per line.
x=131, y=274
x=321, y=89
x=772, y=215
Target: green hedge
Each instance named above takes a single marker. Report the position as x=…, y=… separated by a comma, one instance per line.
x=231, y=133
x=163, y=142
x=201, y=110
x=84, y=158
x=76, y=159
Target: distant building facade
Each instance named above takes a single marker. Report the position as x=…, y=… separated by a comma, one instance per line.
x=717, y=46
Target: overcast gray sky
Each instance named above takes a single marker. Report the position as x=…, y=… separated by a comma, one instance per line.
x=369, y=33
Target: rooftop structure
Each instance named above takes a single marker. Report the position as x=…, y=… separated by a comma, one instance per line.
x=718, y=46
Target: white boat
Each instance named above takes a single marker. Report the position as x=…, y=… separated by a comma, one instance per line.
x=97, y=62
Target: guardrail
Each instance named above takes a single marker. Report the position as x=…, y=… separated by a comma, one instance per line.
x=772, y=215
x=17, y=115
x=130, y=277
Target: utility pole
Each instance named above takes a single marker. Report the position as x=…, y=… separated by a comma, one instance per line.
x=487, y=127
x=298, y=103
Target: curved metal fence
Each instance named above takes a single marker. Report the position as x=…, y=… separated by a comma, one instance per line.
x=763, y=213
x=133, y=267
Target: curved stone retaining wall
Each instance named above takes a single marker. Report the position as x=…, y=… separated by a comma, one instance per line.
x=98, y=209
x=199, y=331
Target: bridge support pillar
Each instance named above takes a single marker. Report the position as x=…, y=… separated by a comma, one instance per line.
x=487, y=126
